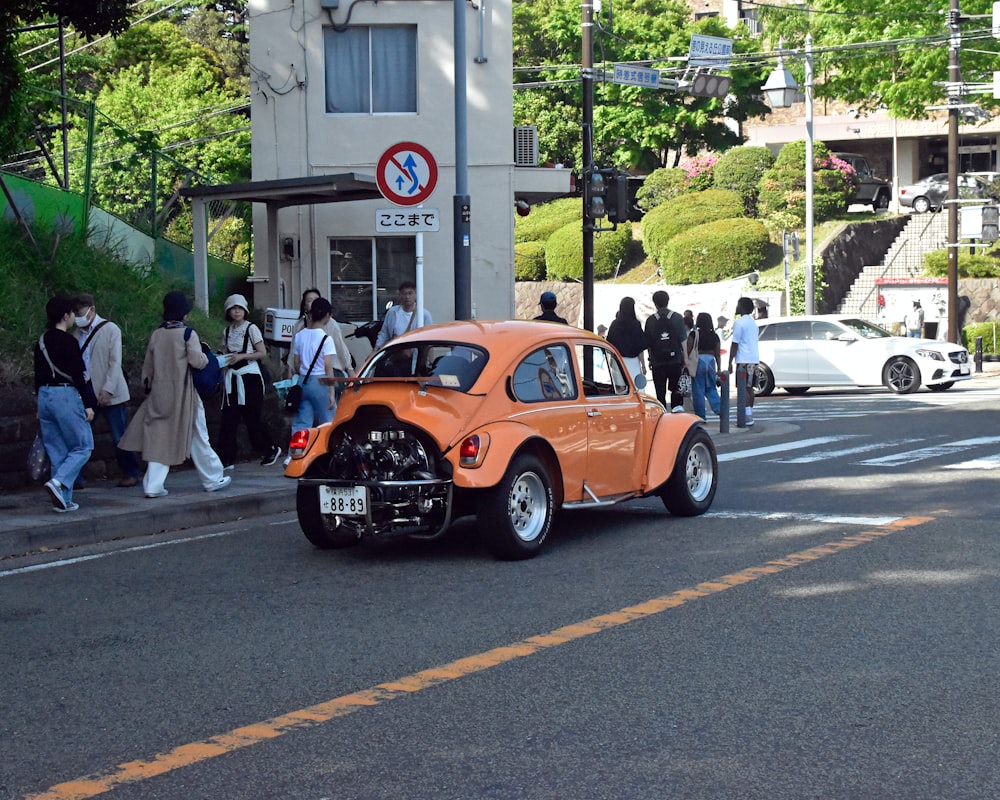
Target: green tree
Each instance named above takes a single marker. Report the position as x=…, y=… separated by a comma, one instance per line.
x=783, y=186
x=740, y=171
x=635, y=127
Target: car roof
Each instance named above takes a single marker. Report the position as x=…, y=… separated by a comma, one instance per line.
x=809, y=318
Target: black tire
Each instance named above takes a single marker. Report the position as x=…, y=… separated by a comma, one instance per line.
x=940, y=387
x=921, y=205
x=881, y=202
x=901, y=376
x=315, y=525
x=515, y=516
x=763, y=381
x=796, y=390
x=691, y=487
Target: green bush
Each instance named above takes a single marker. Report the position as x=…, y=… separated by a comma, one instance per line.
x=564, y=252
x=796, y=284
x=546, y=218
x=715, y=251
x=661, y=185
x=529, y=261
x=682, y=213
x=990, y=331
x=969, y=266
x=783, y=186
x=740, y=170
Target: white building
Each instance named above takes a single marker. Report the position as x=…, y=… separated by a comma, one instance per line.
x=334, y=85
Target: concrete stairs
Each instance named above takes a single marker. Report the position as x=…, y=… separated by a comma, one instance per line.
x=923, y=234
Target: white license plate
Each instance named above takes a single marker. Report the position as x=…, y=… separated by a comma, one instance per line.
x=345, y=501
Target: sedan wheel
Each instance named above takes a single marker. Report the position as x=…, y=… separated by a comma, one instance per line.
x=901, y=376
x=763, y=381
x=515, y=516
x=691, y=487
x=921, y=205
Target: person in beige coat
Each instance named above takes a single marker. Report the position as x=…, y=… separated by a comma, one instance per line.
x=170, y=425
x=101, y=347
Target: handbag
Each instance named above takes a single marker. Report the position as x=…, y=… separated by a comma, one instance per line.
x=38, y=459
x=294, y=397
x=684, y=383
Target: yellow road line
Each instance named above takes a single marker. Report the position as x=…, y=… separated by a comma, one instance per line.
x=256, y=733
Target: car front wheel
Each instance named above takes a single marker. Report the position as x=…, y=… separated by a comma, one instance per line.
x=881, y=202
x=921, y=205
x=691, y=487
x=901, y=376
x=318, y=528
x=763, y=381
x=515, y=516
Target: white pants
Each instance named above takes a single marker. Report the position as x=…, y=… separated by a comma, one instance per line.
x=204, y=457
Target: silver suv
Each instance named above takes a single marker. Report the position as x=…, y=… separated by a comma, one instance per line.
x=872, y=191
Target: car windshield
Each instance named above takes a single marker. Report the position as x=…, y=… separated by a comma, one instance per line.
x=865, y=329
x=453, y=364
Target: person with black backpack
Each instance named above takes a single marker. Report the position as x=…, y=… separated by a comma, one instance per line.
x=665, y=336
x=243, y=398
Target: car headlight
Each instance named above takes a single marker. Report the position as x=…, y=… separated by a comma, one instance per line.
x=933, y=355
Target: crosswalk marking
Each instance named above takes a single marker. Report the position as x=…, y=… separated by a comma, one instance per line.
x=847, y=451
x=928, y=452
x=780, y=448
x=989, y=462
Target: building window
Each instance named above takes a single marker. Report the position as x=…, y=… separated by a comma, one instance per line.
x=365, y=274
x=371, y=70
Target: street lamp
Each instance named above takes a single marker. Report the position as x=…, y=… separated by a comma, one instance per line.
x=781, y=89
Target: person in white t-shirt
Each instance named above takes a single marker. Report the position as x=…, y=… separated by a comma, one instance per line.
x=743, y=349
x=402, y=318
x=313, y=357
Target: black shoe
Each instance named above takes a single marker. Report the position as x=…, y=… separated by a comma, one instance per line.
x=272, y=456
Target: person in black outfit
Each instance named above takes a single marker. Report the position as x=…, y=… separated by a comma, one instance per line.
x=665, y=336
x=66, y=402
x=626, y=335
x=548, y=303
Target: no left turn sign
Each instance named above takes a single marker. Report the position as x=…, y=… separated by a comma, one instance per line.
x=406, y=174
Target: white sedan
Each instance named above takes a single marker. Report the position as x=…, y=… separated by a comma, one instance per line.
x=828, y=350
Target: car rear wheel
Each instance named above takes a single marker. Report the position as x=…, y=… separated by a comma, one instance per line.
x=515, y=516
x=691, y=487
x=921, y=205
x=901, y=376
x=941, y=387
x=319, y=528
x=796, y=389
x=881, y=202
x=763, y=381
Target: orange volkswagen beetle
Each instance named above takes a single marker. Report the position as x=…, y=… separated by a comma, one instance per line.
x=509, y=421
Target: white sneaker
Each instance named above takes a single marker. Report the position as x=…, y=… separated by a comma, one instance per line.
x=677, y=410
x=220, y=485
x=161, y=493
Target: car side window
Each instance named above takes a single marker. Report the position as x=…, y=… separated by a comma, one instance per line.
x=546, y=374
x=608, y=378
x=788, y=331
x=825, y=331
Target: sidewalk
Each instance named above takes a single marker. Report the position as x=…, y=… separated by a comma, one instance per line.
x=28, y=523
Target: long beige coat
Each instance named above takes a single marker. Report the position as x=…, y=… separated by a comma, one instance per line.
x=164, y=424
x=106, y=362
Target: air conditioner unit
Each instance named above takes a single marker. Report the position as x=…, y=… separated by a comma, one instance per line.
x=526, y=146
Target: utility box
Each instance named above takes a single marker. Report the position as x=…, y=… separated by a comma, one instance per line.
x=279, y=324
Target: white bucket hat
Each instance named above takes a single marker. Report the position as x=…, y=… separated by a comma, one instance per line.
x=237, y=300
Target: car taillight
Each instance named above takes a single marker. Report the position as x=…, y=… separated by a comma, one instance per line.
x=298, y=443
x=472, y=450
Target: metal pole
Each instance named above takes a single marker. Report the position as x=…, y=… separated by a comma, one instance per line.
x=462, y=202
x=954, y=96
x=588, y=163
x=810, y=165
x=65, y=111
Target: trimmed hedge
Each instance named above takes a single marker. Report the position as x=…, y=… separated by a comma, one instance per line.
x=715, y=251
x=546, y=218
x=740, y=170
x=661, y=185
x=783, y=186
x=529, y=261
x=969, y=266
x=682, y=213
x=564, y=252
x=990, y=331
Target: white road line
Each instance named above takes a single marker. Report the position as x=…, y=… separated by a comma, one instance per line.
x=928, y=452
x=989, y=462
x=782, y=516
x=847, y=451
x=781, y=448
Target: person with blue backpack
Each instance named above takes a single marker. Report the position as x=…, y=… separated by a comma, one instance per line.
x=170, y=425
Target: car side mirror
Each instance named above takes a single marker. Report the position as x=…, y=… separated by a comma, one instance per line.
x=846, y=337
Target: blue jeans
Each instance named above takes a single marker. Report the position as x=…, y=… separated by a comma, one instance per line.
x=704, y=386
x=69, y=441
x=315, y=406
x=117, y=417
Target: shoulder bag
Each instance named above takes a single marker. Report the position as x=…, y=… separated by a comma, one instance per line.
x=294, y=397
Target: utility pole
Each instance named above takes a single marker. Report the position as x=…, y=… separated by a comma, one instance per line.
x=588, y=162
x=954, y=98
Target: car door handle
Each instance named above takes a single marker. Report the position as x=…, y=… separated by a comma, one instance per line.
x=593, y=413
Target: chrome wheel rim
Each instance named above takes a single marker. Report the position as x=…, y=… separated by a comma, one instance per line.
x=527, y=506
x=698, y=472
x=901, y=376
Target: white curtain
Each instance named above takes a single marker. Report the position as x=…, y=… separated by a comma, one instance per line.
x=371, y=70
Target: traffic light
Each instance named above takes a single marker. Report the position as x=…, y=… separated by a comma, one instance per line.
x=991, y=225
x=607, y=195
x=705, y=84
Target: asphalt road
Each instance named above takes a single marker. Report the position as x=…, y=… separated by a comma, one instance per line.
x=828, y=630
